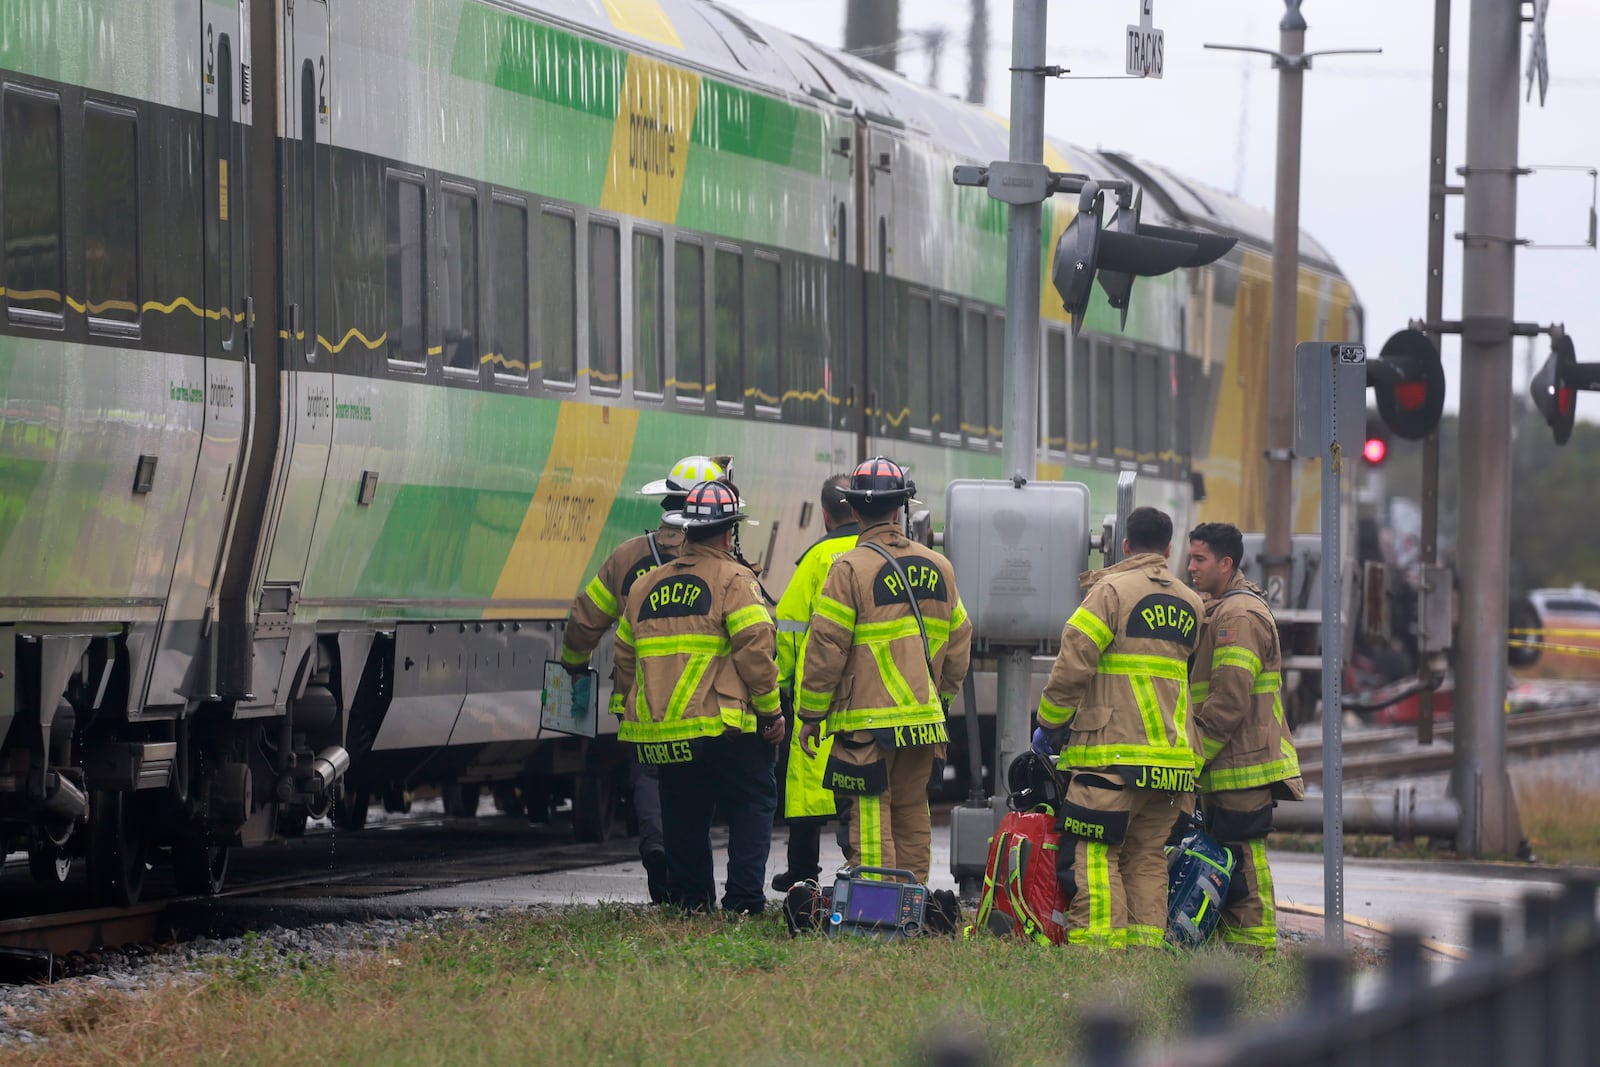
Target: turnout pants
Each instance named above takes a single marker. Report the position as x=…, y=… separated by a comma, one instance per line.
x=892, y=828
x=1253, y=919
x=645, y=785
x=734, y=775
x=1118, y=889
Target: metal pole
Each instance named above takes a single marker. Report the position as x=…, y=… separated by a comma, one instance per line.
x=1021, y=440
x=978, y=53
x=1489, y=822
x=872, y=31
x=1332, y=658
x=1285, y=286
x=1437, y=191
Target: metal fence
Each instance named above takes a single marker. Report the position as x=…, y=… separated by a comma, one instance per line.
x=1539, y=1006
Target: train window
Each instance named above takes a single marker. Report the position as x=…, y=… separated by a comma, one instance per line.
x=557, y=297
x=766, y=297
x=1127, y=412
x=973, y=370
x=30, y=180
x=459, y=277
x=729, y=325
x=406, y=212
x=111, y=218
x=510, y=340
x=1080, y=432
x=946, y=369
x=997, y=375
x=1105, y=416
x=1166, y=424
x=917, y=331
x=605, y=306
x=1055, y=385
x=689, y=303
x=1147, y=416
x=649, y=313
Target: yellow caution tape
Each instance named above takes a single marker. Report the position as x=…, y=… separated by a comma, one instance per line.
x=1565, y=650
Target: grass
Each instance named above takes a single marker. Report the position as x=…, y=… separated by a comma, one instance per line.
x=1560, y=817
x=624, y=984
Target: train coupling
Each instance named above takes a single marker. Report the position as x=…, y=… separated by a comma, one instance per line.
x=314, y=778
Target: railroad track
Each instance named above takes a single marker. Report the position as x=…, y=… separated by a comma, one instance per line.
x=1528, y=734
x=35, y=947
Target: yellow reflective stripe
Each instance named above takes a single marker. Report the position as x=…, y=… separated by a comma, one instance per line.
x=1089, y=624
x=1144, y=695
x=883, y=718
x=597, y=592
x=625, y=633
x=1235, y=656
x=1145, y=936
x=1055, y=714
x=747, y=616
x=683, y=692
x=678, y=730
x=834, y=611
x=1198, y=691
x=572, y=657
x=1252, y=777
x=765, y=703
x=683, y=645
x=1097, y=860
x=1127, y=755
x=893, y=680
x=871, y=831
x=617, y=705
x=1267, y=682
x=741, y=719
x=886, y=630
x=958, y=615
x=1211, y=748
x=811, y=700
x=1154, y=666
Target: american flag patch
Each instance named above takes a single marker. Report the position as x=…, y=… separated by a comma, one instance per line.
x=1226, y=635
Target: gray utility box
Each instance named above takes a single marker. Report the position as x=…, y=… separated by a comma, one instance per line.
x=1305, y=572
x=1017, y=554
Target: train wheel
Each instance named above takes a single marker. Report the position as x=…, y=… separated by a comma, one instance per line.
x=350, y=810
x=116, y=850
x=507, y=799
x=396, y=800
x=460, y=798
x=594, y=807
x=199, y=868
x=49, y=864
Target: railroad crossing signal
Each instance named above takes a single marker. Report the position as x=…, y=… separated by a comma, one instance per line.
x=1376, y=448
x=1408, y=382
x=1126, y=250
x=1555, y=387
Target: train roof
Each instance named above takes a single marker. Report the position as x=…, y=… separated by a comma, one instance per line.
x=722, y=40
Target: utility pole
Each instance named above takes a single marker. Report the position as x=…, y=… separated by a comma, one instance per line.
x=1291, y=61
x=978, y=53
x=1020, y=444
x=1489, y=821
x=872, y=31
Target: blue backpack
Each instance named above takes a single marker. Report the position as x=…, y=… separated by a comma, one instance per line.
x=1199, y=874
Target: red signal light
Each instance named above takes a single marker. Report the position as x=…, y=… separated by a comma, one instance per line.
x=1411, y=395
x=1374, y=450
x=1565, y=398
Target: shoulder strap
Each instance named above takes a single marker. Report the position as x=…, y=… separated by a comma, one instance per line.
x=655, y=553
x=911, y=598
x=1258, y=597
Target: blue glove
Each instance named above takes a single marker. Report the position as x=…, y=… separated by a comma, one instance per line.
x=1048, y=741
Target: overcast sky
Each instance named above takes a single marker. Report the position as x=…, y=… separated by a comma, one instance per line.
x=1366, y=127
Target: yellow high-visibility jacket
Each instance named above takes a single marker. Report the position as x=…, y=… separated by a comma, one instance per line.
x=803, y=792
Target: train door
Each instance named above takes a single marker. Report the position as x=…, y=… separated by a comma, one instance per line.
x=307, y=204
x=887, y=408
x=183, y=666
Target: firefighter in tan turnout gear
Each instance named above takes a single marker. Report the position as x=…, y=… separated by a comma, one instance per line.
x=1117, y=707
x=1250, y=760
x=600, y=604
x=695, y=657
x=871, y=678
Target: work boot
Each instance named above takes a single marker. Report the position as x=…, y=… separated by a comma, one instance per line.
x=655, y=869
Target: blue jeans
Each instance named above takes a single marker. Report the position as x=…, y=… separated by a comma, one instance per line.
x=734, y=775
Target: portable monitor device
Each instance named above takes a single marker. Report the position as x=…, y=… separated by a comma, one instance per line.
x=878, y=902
